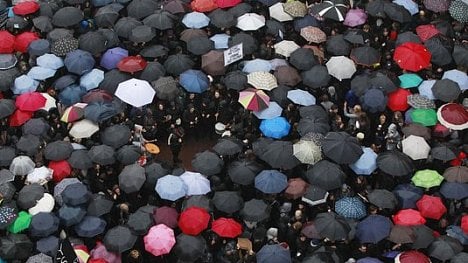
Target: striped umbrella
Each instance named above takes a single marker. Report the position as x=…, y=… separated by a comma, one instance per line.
x=253, y=99
x=73, y=113
x=333, y=9
x=262, y=80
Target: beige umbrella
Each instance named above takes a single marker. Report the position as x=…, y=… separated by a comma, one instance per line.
x=307, y=152
x=416, y=147
x=341, y=67
x=83, y=129
x=295, y=8
x=313, y=34
x=262, y=80
x=285, y=47
x=250, y=22
x=277, y=12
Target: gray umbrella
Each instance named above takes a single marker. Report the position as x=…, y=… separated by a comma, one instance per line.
x=240, y=9
x=338, y=46
x=279, y=155
x=376, y=8
x=111, y=37
x=332, y=226
x=360, y=84
x=228, y=201
x=201, y=201
x=244, y=171
x=326, y=175
x=365, y=55
x=460, y=258
x=354, y=36
x=274, y=27
x=141, y=8
x=315, y=195
x=336, y=143
x=249, y=44
x=407, y=36
x=99, y=205
x=70, y=215
x=424, y=236
x=445, y=248
x=6, y=176
x=48, y=245
x=128, y=154
x=384, y=80
x=166, y=88
x=460, y=55
x=112, y=78
x=315, y=125
x=189, y=248
x=7, y=154
x=374, y=100
x=90, y=226
x=67, y=16
x=39, y=47
x=200, y=45
x=39, y=258
x=79, y=159
x=443, y=153
x=43, y=23
x=154, y=51
x=58, y=150
x=229, y=146
x=15, y=247
x=79, y=62
x=29, y=195
x=446, y=90
x=7, y=77
x=175, y=6
x=235, y=80
x=119, y=239
x=190, y=33
x=222, y=19
x=93, y=42
x=124, y=26
x=141, y=34
x=140, y=222
x=394, y=163
x=107, y=15
x=440, y=49
x=178, y=63
x=132, y=178
x=43, y=224
x=255, y=210
x=75, y=194
x=153, y=172
x=59, y=33
x=7, y=61
x=116, y=135
x=303, y=59
x=28, y=144
x=315, y=77
x=383, y=198
x=207, y=163
x=397, y=12
x=161, y=20
x=153, y=71
x=7, y=190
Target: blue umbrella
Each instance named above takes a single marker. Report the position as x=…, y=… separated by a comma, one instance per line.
x=71, y=95
x=195, y=20
x=366, y=164
x=39, y=47
x=455, y=191
x=305, y=21
x=275, y=128
x=350, y=207
x=194, y=81
x=373, y=229
x=374, y=100
x=79, y=62
x=41, y=73
x=425, y=89
x=24, y=84
x=301, y=97
x=171, y=187
x=274, y=110
x=271, y=181
x=98, y=3
x=369, y=260
x=43, y=224
x=457, y=232
x=48, y=245
x=100, y=111
x=50, y=61
x=256, y=65
x=70, y=215
x=90, y=226
x=112, y=57
x=273, y=254
x=409, y=5
x=407, y=195
x=220, y=41
x=92, y=79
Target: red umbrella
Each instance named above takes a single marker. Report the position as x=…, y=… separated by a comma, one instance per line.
x=23, y=40
x=226, y=227
x=397, y=100
x=296, y=188
x=19, y=117
x=203, y=5
x=440, y=130
x=194, y=220
x=166, y=215
x=427, y=31
x=412, y=56
x=408, y=217
x=453, y=116
x=464, y=224
x=132, y=64
x=31, y=101
x=25, y=8
x=61, y=169
x=412, y=256
x=227, y=3
x=97, y=95
x=431, y=207
x=7, y=45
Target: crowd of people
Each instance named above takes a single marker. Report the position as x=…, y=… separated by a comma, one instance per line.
x=368, y=167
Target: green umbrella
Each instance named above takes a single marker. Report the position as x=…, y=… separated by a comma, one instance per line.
x=21, y=223
x=409, y=80
x=426, y=117
x=427, y=178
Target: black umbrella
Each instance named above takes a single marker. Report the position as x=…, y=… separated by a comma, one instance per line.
x=452, y=190
x=445, y=248
x=228, y=201
x=280, y=95
x=366, y=56
x=58, y=150
x=64, y=81
x=39, y=47
x=48, y=245
x=140, y=222
x=178, y=63
x=154, y=51
x=274, y=27
x=201, y=201
x=153, y=172
x=7, y=77
x=190, y=33
x=15, y=247
x=240, y=9
x=166, y=88
x=255, y=210
x=336, y=143
x=100, y=111
x=338, y=46
x=279, y=154
x=401, y=234
x=128, y=154
x=36, y=126
x=7, y=154
x=407, y=195
x=119, y=239
x=303, y=59
x=441, y=50
x=384, y=80
x=102, y=154
x=243, y=171
x=407, y=36
x=460, y=54
x=461, y=257
x=314, y=125
x=99, y=205
x=116, y=136
x=200, y=45
x=443, y=153
x=79, y=159
x=175, y=6
x=249, y=44
x=124, y=26
x=229, y=146
x=316, y=77
x=8, y=215
x=394, y=163
x=326, y=174
x=6, y=176
x=207, y=163
x=70, y=215
x=107, y=15
x=63, y=46
x=417, y=130
x=189, y=248
x=374, y=100
x=132, y=178
x=43, y=224
x=222, y=19
x=334, y=9
x=93, y=42
x=17, y=23
x=360, y=84
x=7, y=190
x=235, y=80
x=153, y=71
x=446, y=90
x=161, y=20
x=67, y=16
x=29, y=195
x=90, y=226
x=141, y=8
x=43, y=23
x=111, y=37
x=142, y=34
x=332, y=226
x=28, y=144
x=376, y=8
x=313, y=111
x=354, y=36
x=424, y=236
x=382, y=198
x=76, y=194
x=319, y=257
x=112, y=79
x=315, y=195
x=397, y=12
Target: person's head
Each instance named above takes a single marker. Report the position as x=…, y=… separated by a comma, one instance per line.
x=192, y=96
x=178, y=121
x=124, y=207
x=217, y=95
x=191, y=108
x=135, y=254
x=298, y=214
x=161, y=106
x=382, y=118
x=357, y=108
x=366, y=28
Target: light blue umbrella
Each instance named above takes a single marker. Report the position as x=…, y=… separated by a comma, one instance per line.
x=273, y=254
x=92, y=79
x=24, y=84
x=71, y=95
x=271, y=181
x=274, y=110
x=194, y=81
x=170, y=187
x=50, y=61
x=195, y=20
x=425, y=89
x=350, y=207
x=409, y=80
x=366, y=164
x=301, y=97
x=220, y=41
x=79, y=61
x=409, y=5
x=257, y=65
x=458, y=76
x=41, y=73
x=275, y=128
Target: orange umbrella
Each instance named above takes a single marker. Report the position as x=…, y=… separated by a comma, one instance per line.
x=203, y=5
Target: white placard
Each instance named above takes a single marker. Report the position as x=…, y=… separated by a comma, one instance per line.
x=233, y=54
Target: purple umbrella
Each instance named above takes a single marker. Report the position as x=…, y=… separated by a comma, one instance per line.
x=355, y=17
x=113, y=56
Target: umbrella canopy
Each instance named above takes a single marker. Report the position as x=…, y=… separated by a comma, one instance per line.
x=193, y=220
x=278, y=154
x=456, y=191
x=7, y=155
x=194, y=81
x=445, y=248
x=58, y=150
x=226, y=227
x=313, y=34
x=99, y=205
x=250, y=22
x=394, y=163
x=427, y=178
x=159, y=240
x=366, y=164
x=420, y=102
x=79, y=61
x=262, y=80
x=67, y=16
x=178, y=63
x=195, y=20
x=383, y=198
x=374, y=100
x=350, y=207
x=341, y=67
x=228, y=146
x=336, y=143
x=196, y=183
x=335, y=10
x=135, y=92
x=119, y=239
x=285, y=48
x=15, y=246
x=102, y=154
x=274, y=254
x=307, y=152
x=271, y=181
x=132, y=178
x=332, y=226
x=70, y=215
x=412, y=56
x=408, y=217
x=366, y=56
x=243, y=172
x=255, y=210
x=140, y=222
x=166, y=215
x=275, y=128
x=171, y=187
x=90, y=226
x=456, y=174
x=431, y=207
x=446, y=90
x=426, y=117
x=373, y=229
x=416, y=147
x=453, y=116
x=22, y=165
x=83, y=129
x=43, y=224
x=355, y=17
x=189, y=247
x=326, y=175
x=228, y=201
x=75, y=194
x=207, y=163
x=461, y=78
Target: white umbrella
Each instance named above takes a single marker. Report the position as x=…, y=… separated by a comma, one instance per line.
x=301, y=97
x=135, y=92
x=45, y=204
x=83, y=129
x=262, y=80
x=277, y=12
x=22, y=165
x=285, y=47
x=278, y=62
x=307, y=152
x=416, y=147
x=274, y=110
x=39, y=175
x=197, y=184
x=50, y=102
x=250, y=22
x=341, y=67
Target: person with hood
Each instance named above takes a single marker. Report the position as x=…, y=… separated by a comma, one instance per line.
x=393, y=137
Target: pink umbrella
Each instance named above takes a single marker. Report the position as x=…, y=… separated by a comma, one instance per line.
x=159, y=240
x=101, y=252
x=355, y=17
